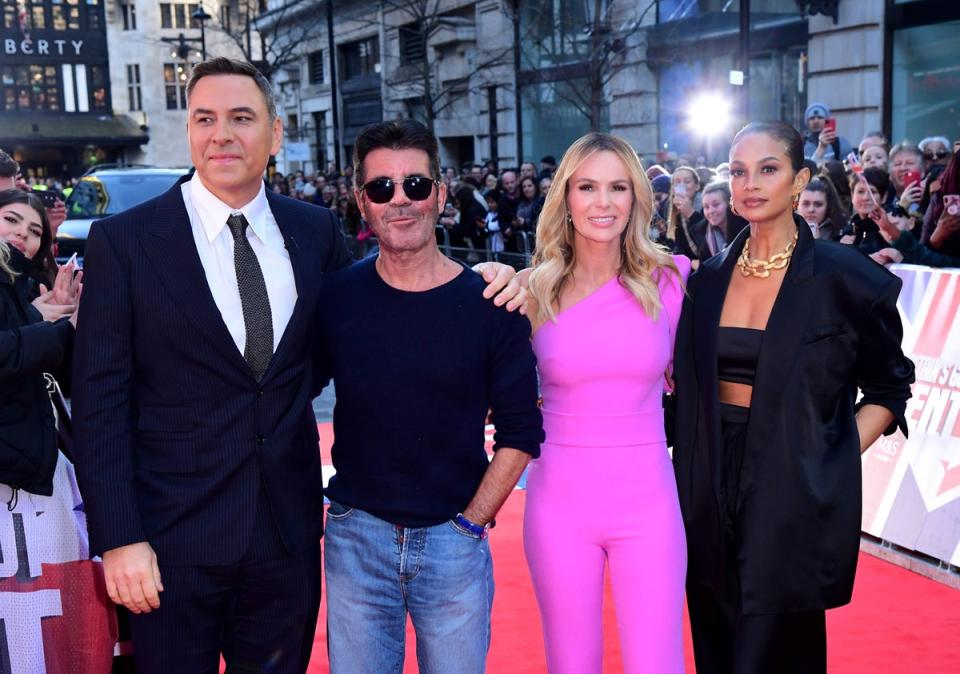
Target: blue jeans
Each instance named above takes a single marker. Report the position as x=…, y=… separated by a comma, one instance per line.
x=376, y=572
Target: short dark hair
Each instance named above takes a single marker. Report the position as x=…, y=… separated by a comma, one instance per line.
x=9, y=168
x=781, y=132
x=224, y=66
x=396, y=134
x=874, y=176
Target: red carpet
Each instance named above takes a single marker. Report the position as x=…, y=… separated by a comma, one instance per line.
x=898, y=623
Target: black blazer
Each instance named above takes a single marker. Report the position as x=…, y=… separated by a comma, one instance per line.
x=834, y=328
x=174, y=436
x=29, y=346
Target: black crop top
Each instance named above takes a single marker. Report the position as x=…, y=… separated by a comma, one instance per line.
x=737, y=354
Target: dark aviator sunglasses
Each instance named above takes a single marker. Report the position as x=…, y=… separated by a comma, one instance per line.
x=381, y=190
x=939, y=154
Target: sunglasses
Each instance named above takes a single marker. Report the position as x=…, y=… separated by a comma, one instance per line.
x=381, y=190
x=939, y=154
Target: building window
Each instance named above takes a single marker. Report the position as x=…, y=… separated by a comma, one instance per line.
x=360, y=58
x=925, y=95
x=93, y=14
x=315, y=66
x=129, y=16
x=175, y=76
x=133, y=87
x=178, y=15
x=412, y=47
x=98, y=88
x=65, y=14
x=30, y=87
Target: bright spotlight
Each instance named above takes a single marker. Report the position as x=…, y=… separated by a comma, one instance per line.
x=709, y=115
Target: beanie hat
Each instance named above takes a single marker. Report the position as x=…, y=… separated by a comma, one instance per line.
x=819, y=109
x=661, y=184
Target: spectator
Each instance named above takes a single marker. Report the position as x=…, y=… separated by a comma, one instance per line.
x=509, y=197
x=944, y=240
x=490, y=182
x=862, y=231
x=722, y=223
x=528, y=169
x=545, y=184
x=685, y=223
x=936, y=151
x=476, y=171
x=472, y=216
x=875, y=156
x=819, y=144
x=906, y=162
x=492, y=222
x=905, y=247
x=528, y=210
x=490, y=166
x=723, y=171
x=872, y=139
x=820, y=206
x=9, y=170
x=328, y=196
x=548, y=165
x=836, y=173
x=661, y=197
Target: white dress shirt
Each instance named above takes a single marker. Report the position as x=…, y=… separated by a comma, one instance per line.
x=208, y=220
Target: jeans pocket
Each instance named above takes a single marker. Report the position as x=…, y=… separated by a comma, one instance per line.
x=338, y=511
x=463, y=532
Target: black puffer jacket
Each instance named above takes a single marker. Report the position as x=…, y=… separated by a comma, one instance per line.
x=29, y=346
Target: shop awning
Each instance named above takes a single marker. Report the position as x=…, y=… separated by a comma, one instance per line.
x=69, y=129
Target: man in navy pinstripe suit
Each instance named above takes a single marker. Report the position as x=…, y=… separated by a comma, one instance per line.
x=198, y=459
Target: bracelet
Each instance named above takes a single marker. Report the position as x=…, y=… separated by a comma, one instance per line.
x=475, y=529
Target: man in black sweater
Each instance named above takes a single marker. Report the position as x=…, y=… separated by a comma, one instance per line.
x=418, y=357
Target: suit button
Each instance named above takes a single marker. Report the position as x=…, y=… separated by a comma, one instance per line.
x=260, y=393
x=260, y=440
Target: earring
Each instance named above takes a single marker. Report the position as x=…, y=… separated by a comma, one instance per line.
x=796, y=201
x=733, y=209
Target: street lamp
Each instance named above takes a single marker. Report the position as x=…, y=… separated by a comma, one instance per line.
x=200, y=15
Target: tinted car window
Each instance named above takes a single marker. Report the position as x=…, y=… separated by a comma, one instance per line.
x=97, y=196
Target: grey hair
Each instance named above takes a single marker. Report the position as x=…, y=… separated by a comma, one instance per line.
x=224, y=66
x=933, y=139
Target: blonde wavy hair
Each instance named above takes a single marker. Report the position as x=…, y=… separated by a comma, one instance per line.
x=641, y=260
x=5, y=269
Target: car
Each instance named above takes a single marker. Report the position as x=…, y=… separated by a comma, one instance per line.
x=108, y=191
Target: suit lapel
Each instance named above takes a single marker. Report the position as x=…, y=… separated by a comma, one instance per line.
x=168, y=243
x=785, y=326
x=714, y=278
x=304, y=260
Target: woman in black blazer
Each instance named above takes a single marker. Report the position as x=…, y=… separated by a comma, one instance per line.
x=35, y=337
x=777, y=334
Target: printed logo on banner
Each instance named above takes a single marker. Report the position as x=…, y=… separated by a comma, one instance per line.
x=912, y=487
x=56, y=616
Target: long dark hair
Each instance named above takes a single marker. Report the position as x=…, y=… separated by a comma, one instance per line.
x=836, y=215
x=43, y=260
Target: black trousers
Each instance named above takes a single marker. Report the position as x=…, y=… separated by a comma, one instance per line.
x=260, y=613
x=725, y=641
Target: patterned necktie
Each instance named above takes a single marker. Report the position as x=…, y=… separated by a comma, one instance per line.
x=253, y=298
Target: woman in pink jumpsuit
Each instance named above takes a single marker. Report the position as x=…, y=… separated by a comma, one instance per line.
x=605, y=306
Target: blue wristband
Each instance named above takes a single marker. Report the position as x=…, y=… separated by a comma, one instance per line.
x=475, y=529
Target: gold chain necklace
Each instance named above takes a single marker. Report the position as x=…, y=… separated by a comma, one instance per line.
x=762, y=268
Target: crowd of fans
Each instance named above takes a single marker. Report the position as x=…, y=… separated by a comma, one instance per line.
x=894, y=203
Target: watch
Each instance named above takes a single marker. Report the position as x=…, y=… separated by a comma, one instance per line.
x=475, y=529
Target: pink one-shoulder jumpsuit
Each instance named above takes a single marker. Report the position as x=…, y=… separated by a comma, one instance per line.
x=603, y=491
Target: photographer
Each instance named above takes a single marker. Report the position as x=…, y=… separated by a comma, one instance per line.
x=820, y=141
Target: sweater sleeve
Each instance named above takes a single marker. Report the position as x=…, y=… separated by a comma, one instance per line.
x=513, y=386
x=916, y=253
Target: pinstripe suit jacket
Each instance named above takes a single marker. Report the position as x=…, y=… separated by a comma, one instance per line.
x=174, y=436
